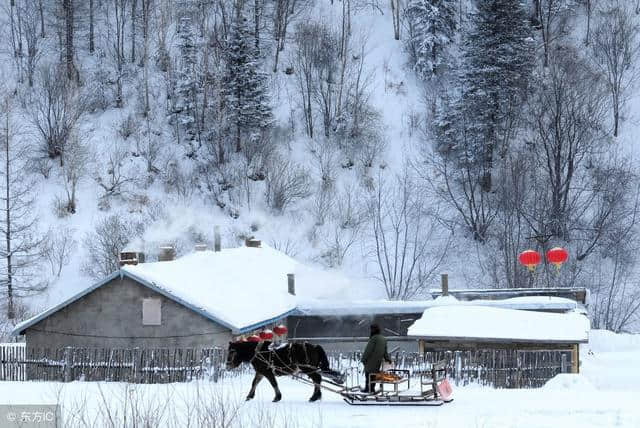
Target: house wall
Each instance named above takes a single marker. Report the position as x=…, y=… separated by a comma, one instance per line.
x=349, y=326
x=111, y=317
x=351, y=332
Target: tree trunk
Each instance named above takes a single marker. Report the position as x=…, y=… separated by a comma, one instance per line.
x=256, y=22
x=10, y=303
x=586, y=39
x=91, y=42
x=68, y=8
x=133, y=30
x=41, y=10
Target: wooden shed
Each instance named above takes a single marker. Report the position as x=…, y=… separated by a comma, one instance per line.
x=512, y=342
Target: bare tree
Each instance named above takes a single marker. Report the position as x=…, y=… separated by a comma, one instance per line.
x=284, y=12
x=456, y=184
x=396, y=14
x=59, y=246
x=68, y=9
x=57, y=106
x=567, y=120
x=74, y=169
x=146, y=13
x=29, y=19
x=408, y=244
x=22, y=245
x=286, y=183
x=615, y=51
x=134, y=15
x=91, y=26
x=116, y=16
x=104, y=244
x=550, y=14
x=115, y=176
x=349, y=218
x=304, y=63
x=589, y=9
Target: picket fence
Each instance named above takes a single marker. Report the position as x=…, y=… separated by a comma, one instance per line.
x=497, y=368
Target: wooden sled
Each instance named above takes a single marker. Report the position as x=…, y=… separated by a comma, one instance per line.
x=435, y=389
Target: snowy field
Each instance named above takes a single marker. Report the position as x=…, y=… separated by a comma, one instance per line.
x=604, y=395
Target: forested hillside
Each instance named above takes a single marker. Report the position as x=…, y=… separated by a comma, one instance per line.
x=390, y=139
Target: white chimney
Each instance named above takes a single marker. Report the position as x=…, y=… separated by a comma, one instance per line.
x=291, y=283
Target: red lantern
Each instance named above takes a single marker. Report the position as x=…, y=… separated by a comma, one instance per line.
x=253, y=338
x=530, y=259
x=266, y=334
x=280, y=330
x=557, y=256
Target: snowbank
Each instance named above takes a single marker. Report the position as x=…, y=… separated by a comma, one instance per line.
x=608, y=341
x=575, y=383
x=468, y=321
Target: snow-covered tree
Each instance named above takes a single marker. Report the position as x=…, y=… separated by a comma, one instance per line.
x=186, y=88
x=432, y=26
x=497, y=61
x=245, y=85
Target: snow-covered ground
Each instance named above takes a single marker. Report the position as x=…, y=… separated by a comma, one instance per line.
x=603, y=395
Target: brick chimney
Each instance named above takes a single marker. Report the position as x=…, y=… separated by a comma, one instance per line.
x=131, y=258
x=167, y=253
x=253, y=243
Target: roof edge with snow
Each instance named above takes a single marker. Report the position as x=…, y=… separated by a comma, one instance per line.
x=21, y=327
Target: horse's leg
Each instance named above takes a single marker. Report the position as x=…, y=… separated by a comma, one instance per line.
x=272, y=379
x=256, y=380
x=317, y=392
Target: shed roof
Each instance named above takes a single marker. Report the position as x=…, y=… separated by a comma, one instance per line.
x=490, y=324
x=578, y=294
x=330, y=307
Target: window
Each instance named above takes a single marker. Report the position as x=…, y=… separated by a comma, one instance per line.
x=151, y=313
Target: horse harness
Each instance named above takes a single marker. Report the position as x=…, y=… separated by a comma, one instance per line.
x=259, y=354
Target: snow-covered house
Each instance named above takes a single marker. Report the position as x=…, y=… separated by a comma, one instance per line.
x=347, y=321
x=540, y=344
x=203, y=299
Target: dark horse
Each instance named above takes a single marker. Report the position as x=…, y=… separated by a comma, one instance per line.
x=286, y=359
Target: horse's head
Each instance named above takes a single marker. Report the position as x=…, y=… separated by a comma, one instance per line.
x=234, y=355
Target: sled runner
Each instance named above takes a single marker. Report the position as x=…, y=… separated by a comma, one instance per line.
x=395, y=389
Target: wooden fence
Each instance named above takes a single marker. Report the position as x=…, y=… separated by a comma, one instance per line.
x=497, y=368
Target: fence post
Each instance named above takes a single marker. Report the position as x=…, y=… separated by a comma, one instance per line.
x=67, y=364
x=135, y=355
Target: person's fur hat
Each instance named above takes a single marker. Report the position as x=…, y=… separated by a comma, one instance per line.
x=375, y=329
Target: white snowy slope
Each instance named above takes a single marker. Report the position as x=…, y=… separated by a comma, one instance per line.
x=486, y=323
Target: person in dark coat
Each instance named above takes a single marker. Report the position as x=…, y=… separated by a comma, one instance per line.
x=374, y=353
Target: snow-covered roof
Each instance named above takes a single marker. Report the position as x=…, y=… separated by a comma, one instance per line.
x=486, y=324
x=241, y=288
x=577, y=294
x=330, y=307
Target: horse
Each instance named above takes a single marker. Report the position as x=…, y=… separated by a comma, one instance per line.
x=270, y=361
